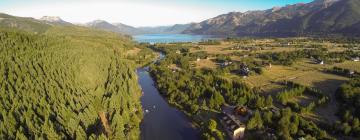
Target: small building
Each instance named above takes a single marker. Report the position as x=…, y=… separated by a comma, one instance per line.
x=198, y=59
x=226, y=63
x=319, y=61
x=178, y=52
x=285, y=43
x=351, y=73
x=234, y=129
x=356, y=59
x=244, y=70
x=240, y=110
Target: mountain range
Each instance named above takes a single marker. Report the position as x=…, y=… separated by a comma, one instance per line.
x=126, y=29
x=320, y=17
x=42, y=24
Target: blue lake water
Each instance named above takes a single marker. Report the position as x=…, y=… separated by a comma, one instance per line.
x=169, y=38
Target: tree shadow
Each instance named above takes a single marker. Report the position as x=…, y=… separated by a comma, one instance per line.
x=327, y=112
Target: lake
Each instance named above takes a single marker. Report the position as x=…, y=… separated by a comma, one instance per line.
x=169, y=38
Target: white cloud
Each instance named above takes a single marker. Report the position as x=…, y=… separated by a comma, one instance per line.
x=131, y=13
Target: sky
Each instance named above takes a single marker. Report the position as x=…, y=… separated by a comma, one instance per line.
x=136, y=13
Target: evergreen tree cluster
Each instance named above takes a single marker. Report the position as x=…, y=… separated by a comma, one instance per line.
x=295, y=90
x=66, y=87
x=348, y=95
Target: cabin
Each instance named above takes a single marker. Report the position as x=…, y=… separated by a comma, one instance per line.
x=351, y=73
x=356, y=59
x=233, y=119
x=240, y=110
x=319, y=61
x=198, y=59
x=226, y=63
x=244, y=70
x=178, y=52
x=234, y=129
x=285, y=43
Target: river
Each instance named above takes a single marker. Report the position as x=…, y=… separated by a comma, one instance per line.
x=161, y=121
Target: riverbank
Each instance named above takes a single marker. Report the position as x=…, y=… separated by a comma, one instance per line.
x=161, y=121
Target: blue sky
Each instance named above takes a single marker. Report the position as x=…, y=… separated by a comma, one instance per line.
x=136, y=12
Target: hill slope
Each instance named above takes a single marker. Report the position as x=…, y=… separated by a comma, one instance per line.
x=317, y=17
x=54, y=20
x=129, y=30
x=20, y=23
x=68, y=82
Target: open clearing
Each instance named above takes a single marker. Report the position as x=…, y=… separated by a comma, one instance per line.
x=349, y=65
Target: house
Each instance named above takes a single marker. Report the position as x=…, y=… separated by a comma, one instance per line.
x=198, y=59
x=319, y=61
x=285, y=43
x=351, y=73
x=233, y=118
x=234, y=129
x=178, y=52
x=226, y=63
x=244, y=70
x=356, y=59
x=240, y=110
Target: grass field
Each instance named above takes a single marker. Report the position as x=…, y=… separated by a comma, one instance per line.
x=349, y=65
x=267, y=45
x=205, y=63
x=304, y=72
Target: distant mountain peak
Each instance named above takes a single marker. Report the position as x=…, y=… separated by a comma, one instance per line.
x=99, y=21
x=317, y=17
x=53, y=19
x=325, y=3
x=276, y=8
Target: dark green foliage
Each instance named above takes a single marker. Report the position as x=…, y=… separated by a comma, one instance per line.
x=57, y=88
x=212, y=132
x=297, y=90
x=349, y=111
x=255, y=122
x=343, y=72
x=288, y=58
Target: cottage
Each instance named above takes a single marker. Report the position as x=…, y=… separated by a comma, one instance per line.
x=319, y=61
x=285, y=43
x=351, y=73
x=244, y=70
x=356, y=59
x=234, y=129
x=240, y=110
x=226, y=63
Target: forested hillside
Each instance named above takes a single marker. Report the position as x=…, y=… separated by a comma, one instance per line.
x=67, y=83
